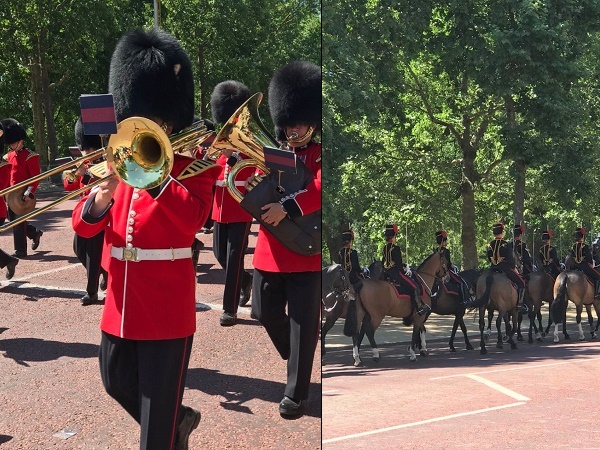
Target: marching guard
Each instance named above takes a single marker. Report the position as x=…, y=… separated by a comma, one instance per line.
x=581, y=256
x=149, y=317
x=396, y=270
x=10, y=262
x=500, y=255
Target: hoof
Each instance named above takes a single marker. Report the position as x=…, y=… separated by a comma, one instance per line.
x=519, y=338
x=470, y=347
x=556, y=339
x=544, y=334
x=594, y=335
x=483, y=351
x=539, y=339
x=567, y=337
x=530, y=341
x=358, y=364
x=452, y=350
x=500, y=346
x=376, y=359
x=581, y=338
x=413, y=358
x=424, y=353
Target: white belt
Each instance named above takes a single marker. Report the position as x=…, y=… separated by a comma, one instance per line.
x=156, y=254
x=222, y=183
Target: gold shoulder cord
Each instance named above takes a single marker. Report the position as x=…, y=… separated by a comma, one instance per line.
x=388, y=256
x=194, y=168
x=545, y=251
x=347, y=263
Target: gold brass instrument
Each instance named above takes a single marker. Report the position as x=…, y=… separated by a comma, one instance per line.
x=244, y=132
x=140, y=154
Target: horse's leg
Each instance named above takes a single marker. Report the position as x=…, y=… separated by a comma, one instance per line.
x=488, y=331
x=511, y=330
x=519, y=335
x=370, y=331
x=579, y=310
x=463, y=328
x=454, y=328
x=361, y=316
x=482, y=340
x=422, y=335
x=416, y=334
x=588, y=308
x=499, y=321
x=567, y=337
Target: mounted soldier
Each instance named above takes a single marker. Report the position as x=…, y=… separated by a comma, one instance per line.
x=396, y=270
x=455, y=281
x=348, y=257
x=581, y=259
x=547, y=255
x=500, y=254
x=521, y=251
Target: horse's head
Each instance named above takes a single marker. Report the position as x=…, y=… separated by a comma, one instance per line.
x=336, y=281
x=442, y=271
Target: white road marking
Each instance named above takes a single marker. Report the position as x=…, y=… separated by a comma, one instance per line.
x=421, y=422
x=37, y=274
x=329, y=391
x=518, y=368
x=498, y=387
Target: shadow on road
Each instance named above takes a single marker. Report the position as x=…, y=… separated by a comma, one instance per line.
x=24, y=350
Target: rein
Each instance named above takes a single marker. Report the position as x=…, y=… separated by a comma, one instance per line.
x=338, y=294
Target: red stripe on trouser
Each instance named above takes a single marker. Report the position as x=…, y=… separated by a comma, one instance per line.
x=179, y=388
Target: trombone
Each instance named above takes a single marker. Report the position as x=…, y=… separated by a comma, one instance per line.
x=140, y=154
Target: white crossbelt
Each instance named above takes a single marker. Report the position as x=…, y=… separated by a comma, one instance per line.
x=156, y=254
x=222, y=183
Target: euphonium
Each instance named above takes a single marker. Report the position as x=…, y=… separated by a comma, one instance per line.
x=245, y=133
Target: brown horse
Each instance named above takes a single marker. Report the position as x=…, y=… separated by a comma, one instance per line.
x=496, y=292
x=573, y=285
x=376, y=299
x=336, y=292
x=539, y=290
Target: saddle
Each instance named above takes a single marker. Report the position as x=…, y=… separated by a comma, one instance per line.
x=400, y=290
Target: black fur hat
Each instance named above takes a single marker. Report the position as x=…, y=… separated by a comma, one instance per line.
x=295, y=95
x=347, y=236
x=519, y=230
x=13, y=131
x=579, y=233
x=86, y=141
x=441, y=236
x=546, y=235
x=498, y=228
x=151, y=76
x=390, y=230
x=226, y=98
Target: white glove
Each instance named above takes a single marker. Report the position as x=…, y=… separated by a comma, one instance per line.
x=408, y=272
x=562, y=266
x=454, y=268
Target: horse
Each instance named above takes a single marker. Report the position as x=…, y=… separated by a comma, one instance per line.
x=538, y=290
x=376, y=299
x=336, y=292
x=573, y=285
x=496, y=292
x=447, y=303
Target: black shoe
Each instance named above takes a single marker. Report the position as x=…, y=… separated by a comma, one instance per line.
x=290, y=408
x=18, y=254
x=10, y=268
x=36, y=240
x=423, y=309
x=245, y=295
x=228, y=319
x=88, y=299
x=190, y=422
x=103, y=283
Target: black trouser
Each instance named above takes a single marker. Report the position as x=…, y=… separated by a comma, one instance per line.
x=589, y=271
x=230, y=241
x=21, y=232
x=5, y=258
x=294, y=334
x=89, y=253
x=147, y=378
x=512, y=275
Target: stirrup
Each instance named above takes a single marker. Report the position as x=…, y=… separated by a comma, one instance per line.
x=423, y=309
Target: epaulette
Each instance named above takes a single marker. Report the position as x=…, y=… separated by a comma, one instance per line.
x=31, y=154
x=194, y=168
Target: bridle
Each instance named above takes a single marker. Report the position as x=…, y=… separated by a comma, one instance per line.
x=339, y=292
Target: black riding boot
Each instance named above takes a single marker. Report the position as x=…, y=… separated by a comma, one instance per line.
x=597, y=291
x=464, y=294
x=422, y=307
x=521, y=307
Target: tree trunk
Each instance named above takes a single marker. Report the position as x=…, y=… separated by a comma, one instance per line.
x=519, y=165
x=468, y=230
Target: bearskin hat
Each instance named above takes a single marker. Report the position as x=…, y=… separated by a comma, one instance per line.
x=86, y=141
x=295, y=95
x=226, y=98
x=518, y=230
x=1, y=137
x=546, y=235
x=498, y=228
x=347, y=236
x=579, y=233
x=441, y=236
x=390, y=230
x=13, y=131
x=151, y=76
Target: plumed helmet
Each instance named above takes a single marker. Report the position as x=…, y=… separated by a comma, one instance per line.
x=226, y=98
x=390, y=230
x=347, y=236
x=519, y=230
x=498, y=228
x=546, y=235
x=151, y=76
x=13, y=131
x=86, y=141
x=441, y=236
x=579, y=233
x=295, y=95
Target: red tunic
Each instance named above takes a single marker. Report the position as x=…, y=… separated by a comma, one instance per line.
x=272, y=256
x=151, y=299
x=5, y=170
x=225, y=208
x=25, y=164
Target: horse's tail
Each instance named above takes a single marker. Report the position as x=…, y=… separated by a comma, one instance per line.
x=559, y=305
x=350, y=325
x=483, y=300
